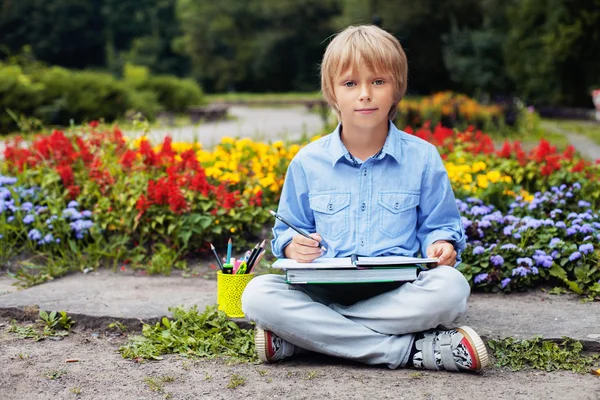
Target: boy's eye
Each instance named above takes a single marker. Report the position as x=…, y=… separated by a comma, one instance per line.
x=379, y=82
x=349, y=84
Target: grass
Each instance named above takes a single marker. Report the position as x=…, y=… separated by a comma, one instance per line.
x=589, y=129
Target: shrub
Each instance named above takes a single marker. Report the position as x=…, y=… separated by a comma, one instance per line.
x=173, y=94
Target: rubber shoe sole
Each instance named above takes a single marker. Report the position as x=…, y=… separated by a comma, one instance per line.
x=481, y=354
x=260, y=342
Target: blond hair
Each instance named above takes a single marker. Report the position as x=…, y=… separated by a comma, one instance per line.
x=379, y=50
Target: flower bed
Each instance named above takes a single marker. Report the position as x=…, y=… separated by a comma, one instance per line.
x=154, y=206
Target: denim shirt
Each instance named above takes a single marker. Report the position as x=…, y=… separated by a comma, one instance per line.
x=397, y=202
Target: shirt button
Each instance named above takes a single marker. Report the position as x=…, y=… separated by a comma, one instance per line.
x=397, y=205
x=365, y=172
x=363, y=207
x=330, y=207
x=362, y=242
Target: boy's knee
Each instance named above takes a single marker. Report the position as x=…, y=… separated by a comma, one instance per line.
x=257, y=296
x=453, y=287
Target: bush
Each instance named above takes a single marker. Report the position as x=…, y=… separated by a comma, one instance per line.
x=18, y=93
x=87, y=95
x=173, y=94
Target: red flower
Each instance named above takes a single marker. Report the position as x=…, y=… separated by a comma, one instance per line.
x=579, y=166
x=66, y=174
x=93, y=124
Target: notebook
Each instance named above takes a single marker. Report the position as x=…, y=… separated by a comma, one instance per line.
x=355, y=269
x=366, y=275
x=353, y=262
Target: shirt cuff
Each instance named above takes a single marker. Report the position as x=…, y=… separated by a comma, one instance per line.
x=282, y=240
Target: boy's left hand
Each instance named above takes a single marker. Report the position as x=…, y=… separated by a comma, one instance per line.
x=444, y=251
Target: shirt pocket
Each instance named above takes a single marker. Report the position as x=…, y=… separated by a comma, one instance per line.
x=397, y=212
x=331, y=211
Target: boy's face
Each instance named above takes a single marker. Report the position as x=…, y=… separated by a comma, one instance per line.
x=364, y=98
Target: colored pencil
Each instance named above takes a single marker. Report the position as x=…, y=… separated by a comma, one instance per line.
x=228, y=251
x=217, y=257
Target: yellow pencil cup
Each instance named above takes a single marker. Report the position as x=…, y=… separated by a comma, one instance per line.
x=229, y=293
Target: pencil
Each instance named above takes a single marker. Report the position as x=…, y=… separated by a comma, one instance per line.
x=300, y=231
x=255, y=254
x=260, y=256
x=217, y=257
x=228, y=251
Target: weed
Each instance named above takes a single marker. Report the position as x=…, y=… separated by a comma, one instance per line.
x=153, y=384
x=55, y=374
x=167, y=379
x=262, y=372
x=117, y=325
x=416, y=375
x=210, y=334
x=207, y=377
x=235, y=381
x=542, y=354
x=53, y=324
x=23, y=356
x=75, y=390
x=310, y=375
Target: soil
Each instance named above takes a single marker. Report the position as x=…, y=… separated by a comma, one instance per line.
x=39, y=370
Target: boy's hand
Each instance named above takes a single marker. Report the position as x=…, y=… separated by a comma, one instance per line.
x=304, y=250
x=444, y=251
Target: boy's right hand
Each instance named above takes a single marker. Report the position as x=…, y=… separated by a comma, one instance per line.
x=304, y=250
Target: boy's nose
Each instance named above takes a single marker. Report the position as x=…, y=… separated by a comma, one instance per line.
x=365, y=95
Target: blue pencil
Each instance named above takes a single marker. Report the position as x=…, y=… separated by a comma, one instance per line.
x=229, y=251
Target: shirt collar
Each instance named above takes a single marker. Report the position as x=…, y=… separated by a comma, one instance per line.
x=391, y=147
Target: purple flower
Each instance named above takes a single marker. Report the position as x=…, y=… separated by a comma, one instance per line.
x=525, y=260
x=586, y=248
x=555, y=254
x=508, y=246
x=480, y=278
x=586, y=228
x=26, y=206
x=87, y=213
x=554, y=242
x=571, y=231
x=73, y=204
x=517, y=236
x=505, y=282
x=484, y=224
x=34, y=234
x=508, y=230
x=73, y=213
x=543, y=260
x=583, y=203
x=560, y=224
x=497, y=260
x=28, y=219
x=576, y=255
x=478, y=250
x=521, y=271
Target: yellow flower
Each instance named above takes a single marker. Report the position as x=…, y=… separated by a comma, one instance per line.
x=479, y=166
x=216, y=222
x=482, y=181
x=232, y=230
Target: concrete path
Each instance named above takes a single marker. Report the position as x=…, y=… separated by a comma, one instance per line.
x=263, y=124
x=584, y=145
x=96, y=299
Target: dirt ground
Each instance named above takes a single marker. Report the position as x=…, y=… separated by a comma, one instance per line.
x=38, y=370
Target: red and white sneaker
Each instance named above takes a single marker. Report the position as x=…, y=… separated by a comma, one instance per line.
x=459, y=349
x=271, y=348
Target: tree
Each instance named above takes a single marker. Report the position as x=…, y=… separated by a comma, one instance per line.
x=257, y=44
x=552, y=50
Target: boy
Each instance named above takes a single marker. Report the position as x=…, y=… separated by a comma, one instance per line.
x=369, y=189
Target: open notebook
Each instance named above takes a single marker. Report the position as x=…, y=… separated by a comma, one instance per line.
x=353, y=262
x=354, y=269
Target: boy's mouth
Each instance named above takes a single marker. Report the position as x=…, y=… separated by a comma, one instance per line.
x=366, y=110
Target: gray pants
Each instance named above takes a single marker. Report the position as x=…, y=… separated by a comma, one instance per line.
x=369, y=323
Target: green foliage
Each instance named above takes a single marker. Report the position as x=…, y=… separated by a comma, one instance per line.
x=556, y=42
x=191, y=334
x=542, y=354
x=53, y=324
x=173, y=94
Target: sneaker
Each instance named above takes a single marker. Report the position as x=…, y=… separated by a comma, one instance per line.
x=459, y=349
x=271, y=348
